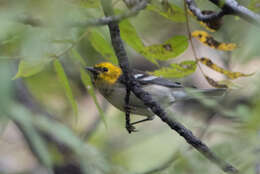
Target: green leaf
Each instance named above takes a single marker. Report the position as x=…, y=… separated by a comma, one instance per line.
x=90, y=3
x=254, y=6
x=88, y=84
x=3, y=124
x=27, y=69
x=102, y=46
x=76, y=55
x=169, y=49
x=65, y=83
x=91, y=161
x=168, y=10
x=180, y=70
x=130, y=36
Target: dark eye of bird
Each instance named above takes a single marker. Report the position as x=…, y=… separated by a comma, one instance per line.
x=105, y=69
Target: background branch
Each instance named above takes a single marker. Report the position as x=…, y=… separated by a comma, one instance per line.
x=228, y=7
x=115, y=18
x=25, y=98
x=232, y=7
x=200, y=15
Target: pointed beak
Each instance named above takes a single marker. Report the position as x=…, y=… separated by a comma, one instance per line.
x=91, y=69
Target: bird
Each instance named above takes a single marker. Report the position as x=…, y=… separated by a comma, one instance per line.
x=109, y=80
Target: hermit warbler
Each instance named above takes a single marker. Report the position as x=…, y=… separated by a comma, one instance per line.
x=108, y=79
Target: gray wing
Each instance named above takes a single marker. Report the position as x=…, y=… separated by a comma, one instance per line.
x=145, y=79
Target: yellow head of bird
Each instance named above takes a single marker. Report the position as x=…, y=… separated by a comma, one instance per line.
x=105, y=73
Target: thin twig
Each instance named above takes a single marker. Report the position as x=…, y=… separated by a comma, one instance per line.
x=24, y=96
x=191, y=41
x=115, y=18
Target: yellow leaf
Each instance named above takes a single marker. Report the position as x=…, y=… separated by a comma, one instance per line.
x=229, y=74
x=211, y=25
x=215, y=83
x=229, y=84
x=208, y=40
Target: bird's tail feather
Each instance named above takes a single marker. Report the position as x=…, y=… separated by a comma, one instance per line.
x=193, y=93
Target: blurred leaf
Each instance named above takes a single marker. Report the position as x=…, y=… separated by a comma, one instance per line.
x=89, y=3
x=102, y=46
x=74, y=53
x=88, y=84
x=22, y=116
x=3, y=124
x=38, y=43
x=63, y=41
x=229, y=83
x=254, y=5
x=27, y=69
x=210, y=102
x=65, y=83
x=168, y=10
x=11, y=36
x=130, y=35
x=211, y=25
x=169, y=49
x=6, y=93
x=61, y=132
x=229, y=74
x=254, y=119
x=214, y=83
x=7, y=85
x=180, y=70
x=208, y=40
x=91, y=161
x=243, y=111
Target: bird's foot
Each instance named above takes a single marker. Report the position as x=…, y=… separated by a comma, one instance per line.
x=130, y=128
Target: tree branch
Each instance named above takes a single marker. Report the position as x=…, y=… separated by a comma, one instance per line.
x=200, y=15
x=228, y=7
x=115, y=18
x=135, y=87
x=232, y=7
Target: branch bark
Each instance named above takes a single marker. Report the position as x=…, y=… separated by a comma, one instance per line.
x=199, y=14
x=228, y=7
x=233, y=7
x=114, y=18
